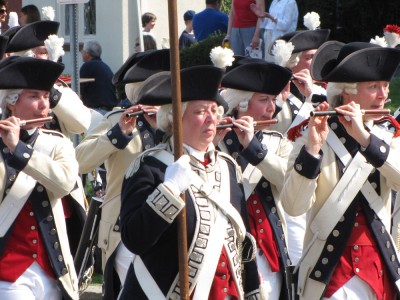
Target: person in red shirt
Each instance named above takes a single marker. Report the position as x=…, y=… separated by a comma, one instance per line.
x=244, y=26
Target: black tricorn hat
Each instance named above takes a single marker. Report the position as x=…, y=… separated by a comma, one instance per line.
x=133, y=59
x=306, y=39
x=260, y=77
x=28, y=73
x=3, y=45
x=151, y=63
x=30, y=35
x=197, y=83
x=354, y=62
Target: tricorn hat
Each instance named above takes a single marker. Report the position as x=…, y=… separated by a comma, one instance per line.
x=3, y=45
x=28, y=73
x=133, y=59
x=303, y=40
x=197, y=83
x=354, y=62
x=151, y=63
x=29, y=36
x=260, y=77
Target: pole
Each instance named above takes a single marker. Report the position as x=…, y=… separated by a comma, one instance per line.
x=73, y=31
x=178, y=143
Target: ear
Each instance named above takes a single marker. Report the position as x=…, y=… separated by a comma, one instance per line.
x=11, y=107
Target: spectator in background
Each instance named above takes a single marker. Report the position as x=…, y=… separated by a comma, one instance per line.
x=148, y=21
x=100, y=94
x=29, y=14
x=187, y=38
x=210, y=20
x=281, y=19
x=244, y=26
x=149, y=41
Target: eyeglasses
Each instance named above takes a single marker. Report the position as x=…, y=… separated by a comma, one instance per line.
x=3, y=11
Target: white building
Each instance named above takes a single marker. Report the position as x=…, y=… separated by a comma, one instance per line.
x=116, y=24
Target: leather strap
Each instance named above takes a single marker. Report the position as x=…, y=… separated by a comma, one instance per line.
x=146, y=281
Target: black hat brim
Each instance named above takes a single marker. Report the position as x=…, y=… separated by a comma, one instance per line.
x=31, y=35
x=28, y=73
x=372, y=63
x=197, y=83
x=133, y=59
x=260, y=77
x=151, y=63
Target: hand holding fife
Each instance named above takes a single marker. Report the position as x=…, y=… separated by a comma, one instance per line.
x=9, y=130
x=351, y=116
x=127, y=121
x=318, y=131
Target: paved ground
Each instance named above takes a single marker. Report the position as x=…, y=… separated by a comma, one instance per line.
x=93, y=292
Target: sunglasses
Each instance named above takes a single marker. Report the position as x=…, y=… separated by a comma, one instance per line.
x=3, y=11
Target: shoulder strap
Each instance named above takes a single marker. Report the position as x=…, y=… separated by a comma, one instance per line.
x=353, y=180
x=21, y=189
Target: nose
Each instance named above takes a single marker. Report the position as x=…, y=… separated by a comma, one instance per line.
x=270, y=106
x=383, y=93
x=43, y=101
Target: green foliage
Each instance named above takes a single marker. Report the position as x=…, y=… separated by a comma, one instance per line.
x=199, y=53
x=394, y=94
x=352, y=20
x=226, y=6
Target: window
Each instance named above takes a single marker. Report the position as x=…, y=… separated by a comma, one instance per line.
x=89, y=15
x=89, y=18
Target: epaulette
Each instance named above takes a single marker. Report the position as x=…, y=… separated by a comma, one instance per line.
x=295, y=132
x=113, y=112
x=231, y=160
x=52, y=132
x=393, y=124
x=134, y=166
x=272, y=132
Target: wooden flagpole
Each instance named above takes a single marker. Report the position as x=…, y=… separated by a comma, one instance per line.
x=178, y=143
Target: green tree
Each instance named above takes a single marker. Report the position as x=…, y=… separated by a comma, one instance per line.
x=226, y=6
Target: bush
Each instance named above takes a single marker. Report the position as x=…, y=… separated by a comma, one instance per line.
x=199, y=53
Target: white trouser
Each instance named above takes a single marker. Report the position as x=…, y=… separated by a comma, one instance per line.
x=33, y=284
x=296, y=229
x=123, y=260
x=354, y=289
x=271, y=282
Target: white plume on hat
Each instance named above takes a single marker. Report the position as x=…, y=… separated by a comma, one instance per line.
x=311, y=20
x=13, y=19
x=282, y=51
x=392, y=39
x=381, y=41
x=48, y=13
x=221, y=57
x=54, y=46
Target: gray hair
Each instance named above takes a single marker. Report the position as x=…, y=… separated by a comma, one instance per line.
x=8, y=97
x=93, y=48
x=294, y=60
x=165, y=117
x=334, y=92
x=237, y=99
